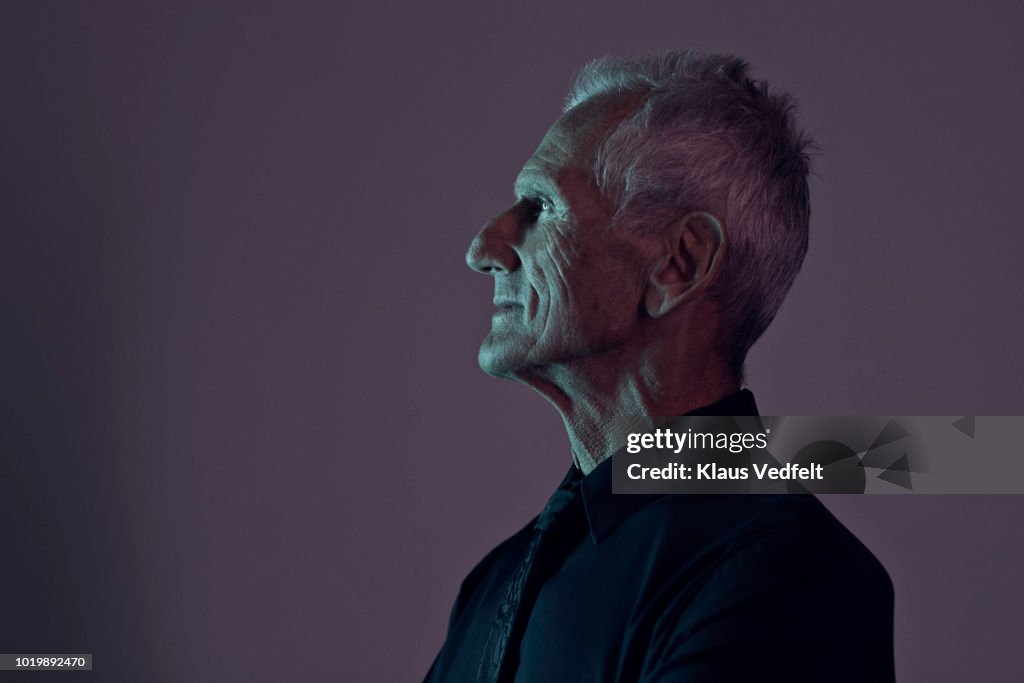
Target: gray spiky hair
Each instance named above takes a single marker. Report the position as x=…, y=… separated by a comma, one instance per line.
x=706, y=137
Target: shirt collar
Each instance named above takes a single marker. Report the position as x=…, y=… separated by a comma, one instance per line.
x=606, y=511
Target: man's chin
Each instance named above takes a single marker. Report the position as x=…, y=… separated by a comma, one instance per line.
x=501, y=357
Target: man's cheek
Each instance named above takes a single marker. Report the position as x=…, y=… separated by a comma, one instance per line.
x=540, y=295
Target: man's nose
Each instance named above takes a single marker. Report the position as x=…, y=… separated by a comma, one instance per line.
x=492, y=251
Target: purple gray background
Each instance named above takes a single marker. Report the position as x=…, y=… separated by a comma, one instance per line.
x=243, y=435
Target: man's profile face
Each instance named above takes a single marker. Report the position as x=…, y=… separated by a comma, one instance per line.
x=566, y=285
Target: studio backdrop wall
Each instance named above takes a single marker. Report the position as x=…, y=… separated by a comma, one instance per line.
x=243, y=435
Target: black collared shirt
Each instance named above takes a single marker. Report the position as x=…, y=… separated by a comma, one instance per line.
x=694, y=588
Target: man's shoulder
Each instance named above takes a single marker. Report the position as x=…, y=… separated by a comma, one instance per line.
x=763, y=534
x=765, y=575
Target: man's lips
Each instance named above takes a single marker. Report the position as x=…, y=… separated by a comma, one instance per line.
x=507, y=309
x=506, y=304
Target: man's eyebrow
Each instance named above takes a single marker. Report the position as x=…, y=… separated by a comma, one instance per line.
x=534, y=179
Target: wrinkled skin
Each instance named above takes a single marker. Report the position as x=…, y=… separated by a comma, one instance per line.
x=565, y=284
x=610, y=325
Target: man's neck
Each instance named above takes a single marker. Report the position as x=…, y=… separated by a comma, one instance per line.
x=605, y=397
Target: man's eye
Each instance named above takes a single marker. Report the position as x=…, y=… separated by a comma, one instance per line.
x=542, y=205
x=538, y=206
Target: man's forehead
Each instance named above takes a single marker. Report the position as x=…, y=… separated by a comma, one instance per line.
x=569, y=145
x=564, y=146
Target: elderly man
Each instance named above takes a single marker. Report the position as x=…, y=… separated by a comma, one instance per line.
x=655, y=232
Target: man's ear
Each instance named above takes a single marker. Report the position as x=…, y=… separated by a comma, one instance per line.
x=694, y=250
